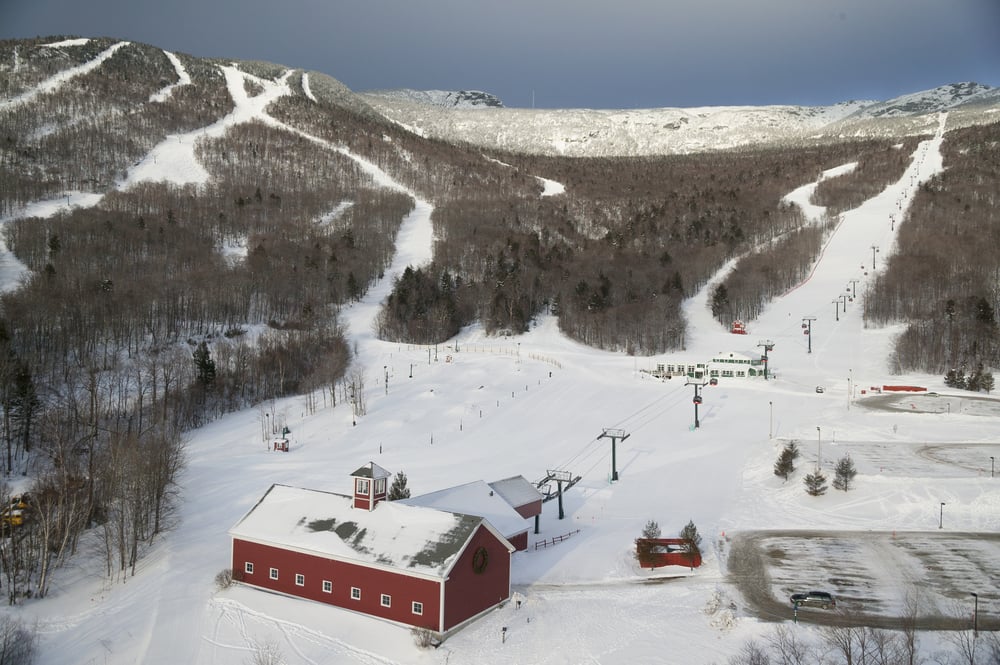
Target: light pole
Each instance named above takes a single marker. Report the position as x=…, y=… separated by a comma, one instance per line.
x=975, y=615
x=850, y=388
x=819, y=448
x=941, y=517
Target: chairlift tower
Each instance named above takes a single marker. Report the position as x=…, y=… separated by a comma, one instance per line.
x=768, y=347
x=560, y=477
x=807, y=323
x=614, y=435
x=698, y=382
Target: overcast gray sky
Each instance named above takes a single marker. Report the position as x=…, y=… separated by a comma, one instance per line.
x=608, y=54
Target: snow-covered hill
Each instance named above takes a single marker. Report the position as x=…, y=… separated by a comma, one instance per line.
x=444, y=98
x=639, y=132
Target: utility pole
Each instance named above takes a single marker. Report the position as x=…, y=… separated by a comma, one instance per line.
x=768, y=346
x=874, y=252
x=836, y=308
x=807, y=323
x=854, y=287
x=843, y=299
x=614, y=435
x=697, y=383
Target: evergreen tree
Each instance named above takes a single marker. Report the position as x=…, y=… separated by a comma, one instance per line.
x=986, y=381
x=643, y=547
x=786, y=460
x=692, y=541
x=398, y=489
x=784, y=466
x=844, y=474
x=720, y=302
x=815, y=483
x=204, y=365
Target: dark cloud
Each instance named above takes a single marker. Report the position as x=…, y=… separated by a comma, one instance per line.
x=571, y=53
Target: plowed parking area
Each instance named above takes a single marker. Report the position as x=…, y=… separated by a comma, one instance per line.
x=880, y=579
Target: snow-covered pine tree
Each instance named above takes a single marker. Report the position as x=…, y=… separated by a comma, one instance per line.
x=398, y=489
x=643, y=548
x=844, y=474
x=815, y=483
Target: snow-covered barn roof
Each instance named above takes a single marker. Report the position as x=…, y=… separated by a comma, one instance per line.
x=475, y=498
x=516, y=490
x=412, y=538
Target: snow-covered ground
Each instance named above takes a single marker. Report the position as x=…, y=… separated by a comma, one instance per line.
x=486, y=408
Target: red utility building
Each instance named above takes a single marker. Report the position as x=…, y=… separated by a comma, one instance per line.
x=408, y=564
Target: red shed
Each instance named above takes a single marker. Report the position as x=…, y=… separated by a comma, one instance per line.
x=408, y=564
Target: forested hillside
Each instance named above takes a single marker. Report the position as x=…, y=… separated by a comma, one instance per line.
x=165, y=305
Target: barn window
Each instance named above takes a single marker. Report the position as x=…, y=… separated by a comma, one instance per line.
x=300, y=579
x=386, y=600
x=418, y=608
x=274, y=573
x=327, y=586
x=248, y=567
x=355, y=593
x=362, y=486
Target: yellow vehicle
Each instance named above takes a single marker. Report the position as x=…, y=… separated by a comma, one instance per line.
x=16, y=512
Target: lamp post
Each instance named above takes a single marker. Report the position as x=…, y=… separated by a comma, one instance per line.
x=819, y=448
x=975, y=615
x=941, y=517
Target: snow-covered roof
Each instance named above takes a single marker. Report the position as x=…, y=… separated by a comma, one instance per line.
x=413, y=538
x=516, y=490
x=371, y=470
x=475, y=498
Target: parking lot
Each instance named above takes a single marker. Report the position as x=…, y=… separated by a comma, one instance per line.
x=878, y=578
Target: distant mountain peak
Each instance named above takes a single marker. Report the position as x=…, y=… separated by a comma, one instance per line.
x=465, y=99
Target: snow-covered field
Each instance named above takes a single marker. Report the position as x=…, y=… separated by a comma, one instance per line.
x=485, y=408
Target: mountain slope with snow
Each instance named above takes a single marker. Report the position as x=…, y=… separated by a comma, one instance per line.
x=642, y=132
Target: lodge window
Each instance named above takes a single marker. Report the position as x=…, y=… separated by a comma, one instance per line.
x=380, y=486
x=274, y=573
x=327, y=586
x=386, y=600
x=362, y=486
x=248, y=567
x=418, y=608
x=300, y=579
x=355, y=593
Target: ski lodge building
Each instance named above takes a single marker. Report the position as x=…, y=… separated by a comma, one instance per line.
x=421, y=562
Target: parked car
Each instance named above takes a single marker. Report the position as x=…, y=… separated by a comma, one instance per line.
x=819, y=389
x=814, y=599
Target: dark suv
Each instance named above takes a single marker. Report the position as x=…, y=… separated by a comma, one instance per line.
x=814, y=599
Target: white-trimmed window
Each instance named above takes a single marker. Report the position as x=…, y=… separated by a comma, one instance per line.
x=386, y=600
x=418, y=608
x=355, y=593
x=300, y=579
x=327, y=586
x=361, y=486
x=248, y=567
x=380, y=485
x=274, y=574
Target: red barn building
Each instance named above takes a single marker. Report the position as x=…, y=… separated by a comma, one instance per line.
x=408, y=564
